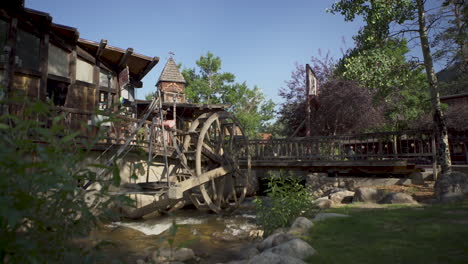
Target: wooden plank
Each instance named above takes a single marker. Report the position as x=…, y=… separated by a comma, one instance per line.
x=124, y=58
x=176, y=191
x=311, y=163
x=150, y=66
x=101, y=48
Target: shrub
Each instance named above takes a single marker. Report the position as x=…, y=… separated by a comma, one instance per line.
x=42, y=207
x=286, y=199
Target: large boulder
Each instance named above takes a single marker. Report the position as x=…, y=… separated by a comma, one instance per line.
x=302, y=223
x=451, y=186
x=341, y=197
x=398, y=198
x=274, y=240
x=300, y=226
x=269, y=257
x=323, y=216
x=417, y=178
x=297, y=248
x=249, y=252
x=368, y=195
x=323, y=203
x=164, y=254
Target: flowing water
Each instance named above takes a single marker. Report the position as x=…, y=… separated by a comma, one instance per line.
x=214, y=238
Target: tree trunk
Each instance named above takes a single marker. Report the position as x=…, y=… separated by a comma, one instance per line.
x=440, y=127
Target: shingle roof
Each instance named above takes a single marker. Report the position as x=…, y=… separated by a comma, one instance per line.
x=171, y=73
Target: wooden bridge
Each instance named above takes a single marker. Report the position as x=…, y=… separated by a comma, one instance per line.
x=372, y=153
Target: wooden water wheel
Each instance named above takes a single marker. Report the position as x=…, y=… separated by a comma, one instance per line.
x=201, y=166
x=211, y=147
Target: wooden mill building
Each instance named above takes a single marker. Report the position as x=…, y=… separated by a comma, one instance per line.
x=47, y=61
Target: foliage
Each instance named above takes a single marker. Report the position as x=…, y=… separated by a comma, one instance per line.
x=399, y=83
x=450, y=41
x=342, y=106
x=286, y=200
x=149, y=96
x=41, y=206
x=211, y=86
x=378, y=16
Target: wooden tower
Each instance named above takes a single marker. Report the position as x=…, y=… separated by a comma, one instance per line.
x=171, y=83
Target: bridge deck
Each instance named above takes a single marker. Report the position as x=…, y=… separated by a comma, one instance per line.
x=360, y=166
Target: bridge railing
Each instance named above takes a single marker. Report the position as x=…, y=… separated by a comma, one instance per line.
x=414, y=146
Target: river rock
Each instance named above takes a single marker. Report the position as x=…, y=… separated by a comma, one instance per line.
x=451, y=187
x=250, y=252
x=302, y=223
x=272, y=258
x=323, y=203
x=323, y=216
x=398, y=198
x=417, y=178
x=237, y=262
x=274, y=240
x=164, y=254
x=297, y=248
x=342, y=197
x=368, y=195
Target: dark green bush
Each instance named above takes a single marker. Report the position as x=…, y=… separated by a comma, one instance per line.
x=42, y=207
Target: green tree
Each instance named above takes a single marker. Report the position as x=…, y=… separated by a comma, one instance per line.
x=394, y=81
x=380, y=16
x=149, y=96
x=208, y=86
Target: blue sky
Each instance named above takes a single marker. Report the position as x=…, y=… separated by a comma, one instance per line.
x=258, y=40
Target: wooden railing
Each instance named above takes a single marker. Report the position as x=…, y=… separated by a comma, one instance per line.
x=414, y=146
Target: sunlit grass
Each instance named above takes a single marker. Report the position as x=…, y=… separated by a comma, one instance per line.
x=393, y=234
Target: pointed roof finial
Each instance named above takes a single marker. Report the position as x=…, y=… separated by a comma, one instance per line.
x=171, y=73
x=171, y=53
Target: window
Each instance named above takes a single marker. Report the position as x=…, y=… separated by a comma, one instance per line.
x=4, y=26
x=104, y=79
x=59, y=61
x=57, y=92
x=27, y=50
x=103, y=100
x=84, y=71
x=128, y=93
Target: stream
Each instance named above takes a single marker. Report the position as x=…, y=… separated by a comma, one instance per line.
x=214, y=238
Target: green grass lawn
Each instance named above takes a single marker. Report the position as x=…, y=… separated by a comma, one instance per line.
x=396, y=234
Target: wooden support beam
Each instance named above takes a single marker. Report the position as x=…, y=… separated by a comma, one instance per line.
x=148, y=68
x=102, y=46
x=11, y=43
x=44, y=67
x=177, y=191
x=72, y=76
x=124, y=58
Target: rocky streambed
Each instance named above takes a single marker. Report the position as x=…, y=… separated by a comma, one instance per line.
x=212, y=238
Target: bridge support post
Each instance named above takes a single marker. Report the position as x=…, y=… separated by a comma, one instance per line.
x=434, y=158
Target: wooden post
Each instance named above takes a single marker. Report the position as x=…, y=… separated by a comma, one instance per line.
x=434, y=157
x=72, y=75
x=466, y=151
x=44, y=64
x=10, y=64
